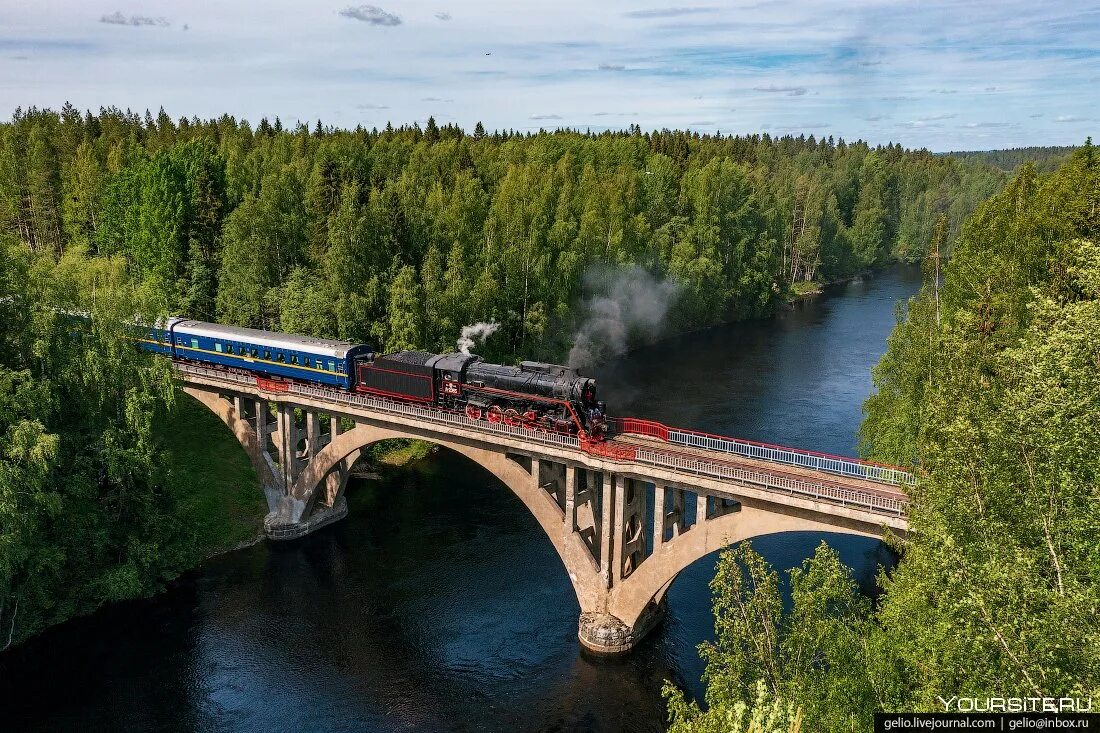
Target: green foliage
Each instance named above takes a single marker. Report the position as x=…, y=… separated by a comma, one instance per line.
x=1044, y=158
x=221, y=221
x=991, y=386
x=91, y=510
x=767, y=714
x=814, y=656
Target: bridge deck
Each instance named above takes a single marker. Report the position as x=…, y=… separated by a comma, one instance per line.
x=688, y=461
x=856, y=484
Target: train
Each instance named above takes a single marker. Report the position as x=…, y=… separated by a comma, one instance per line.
x=533, y=395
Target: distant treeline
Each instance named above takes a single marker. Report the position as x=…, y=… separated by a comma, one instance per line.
x=1045, y=159
x=400, y=237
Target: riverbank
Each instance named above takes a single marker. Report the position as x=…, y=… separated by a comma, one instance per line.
x=220, y=502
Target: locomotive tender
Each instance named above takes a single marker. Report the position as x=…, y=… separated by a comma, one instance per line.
x=533, y=395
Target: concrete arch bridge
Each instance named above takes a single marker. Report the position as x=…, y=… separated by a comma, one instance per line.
x=625, y=516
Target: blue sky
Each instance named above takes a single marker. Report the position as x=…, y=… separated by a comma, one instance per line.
x=939, y=74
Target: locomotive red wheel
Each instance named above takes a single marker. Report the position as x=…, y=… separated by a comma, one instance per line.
x=530, y=420
x=495, y=415
x=511, y=417
x=473, y=412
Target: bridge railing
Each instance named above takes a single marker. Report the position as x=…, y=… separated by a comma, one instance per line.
x=839, y=465
x=786, y=483
x=819, y=490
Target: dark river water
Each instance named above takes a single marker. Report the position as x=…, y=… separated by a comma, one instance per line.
x=439, y=604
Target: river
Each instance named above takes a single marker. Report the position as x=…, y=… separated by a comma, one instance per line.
x=438, y=604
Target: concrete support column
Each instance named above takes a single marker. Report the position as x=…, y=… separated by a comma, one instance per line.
x=570, y=499
x=700, y=509
x=658, y=516
x=676, y=513
x=313, y=434
x=606, y=526
x=632, y=540
x=536, y=471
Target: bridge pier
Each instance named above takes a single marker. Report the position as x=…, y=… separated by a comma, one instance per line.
x=607, y=635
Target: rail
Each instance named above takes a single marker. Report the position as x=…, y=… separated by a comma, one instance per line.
x=839, y=465
x=818, y=490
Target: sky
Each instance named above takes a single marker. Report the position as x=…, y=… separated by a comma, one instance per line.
x=940, y=74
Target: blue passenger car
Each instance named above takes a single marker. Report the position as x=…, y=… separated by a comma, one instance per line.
x=158, y=338
x=267, y=353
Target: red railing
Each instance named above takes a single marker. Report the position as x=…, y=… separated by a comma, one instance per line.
x=609, y=450
x=639, y=427
x=272, y=385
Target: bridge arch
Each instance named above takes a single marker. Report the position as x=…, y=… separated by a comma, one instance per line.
x=650, y=581
x=246, y=434
x=521, y=481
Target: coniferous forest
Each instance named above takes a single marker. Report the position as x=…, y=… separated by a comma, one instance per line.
x=399, y=238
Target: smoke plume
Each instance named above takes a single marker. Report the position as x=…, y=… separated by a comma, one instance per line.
x=479, y=331
x=628, y=305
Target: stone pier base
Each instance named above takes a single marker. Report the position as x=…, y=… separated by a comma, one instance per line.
x=603, y=633
x=277, y=526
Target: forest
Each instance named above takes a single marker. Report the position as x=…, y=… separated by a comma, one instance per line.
x=400, y=237
x=990, y=389
x=1044, y=158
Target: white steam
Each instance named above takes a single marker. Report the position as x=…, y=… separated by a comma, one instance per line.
x=632, y=305
x=477, y=332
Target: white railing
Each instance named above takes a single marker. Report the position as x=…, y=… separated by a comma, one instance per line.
x=792, y=457
x=790, y=485
x=680, y=462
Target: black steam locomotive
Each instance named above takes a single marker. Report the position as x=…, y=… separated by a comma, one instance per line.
x=534, y=394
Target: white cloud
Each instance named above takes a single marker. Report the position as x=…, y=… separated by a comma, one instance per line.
x=137, y=21
x=371, y=14
x=668, y=12
x=789, y=91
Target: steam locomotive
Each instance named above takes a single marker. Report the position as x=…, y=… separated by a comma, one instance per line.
x=533, y=395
